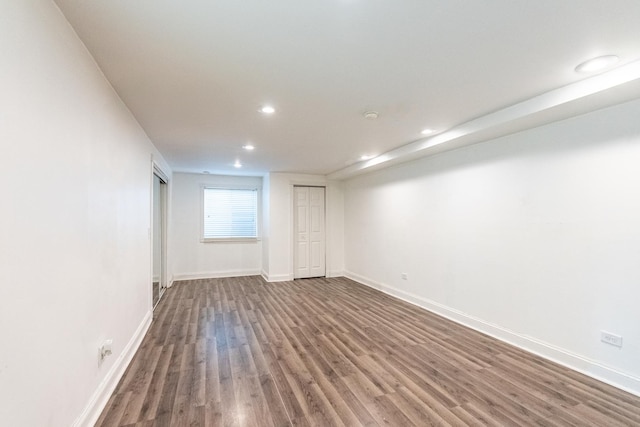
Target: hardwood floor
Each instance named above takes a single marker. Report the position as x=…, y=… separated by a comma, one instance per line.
x=325, y=352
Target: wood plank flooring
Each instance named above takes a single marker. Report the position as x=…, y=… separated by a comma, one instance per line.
x=324, y=352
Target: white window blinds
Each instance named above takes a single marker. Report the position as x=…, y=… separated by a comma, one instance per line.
x=230, y=213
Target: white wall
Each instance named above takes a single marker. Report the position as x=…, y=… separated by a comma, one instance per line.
x=266, y=220
x=192, y=258
x=534, y=238
x=279, y=227
x=74, y=223
x=335, y=228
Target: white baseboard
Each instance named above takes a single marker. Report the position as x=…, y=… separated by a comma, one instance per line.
x=277, y=277
x=104, y=391
x=265, y=275
x=335, y=273
x=289, y=277
x=547, y=351
x=215, y=274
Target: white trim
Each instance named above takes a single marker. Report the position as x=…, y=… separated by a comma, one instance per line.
x=101, y=396
x=277, y=277
x=308, y=181
x=335, y=273
x=215, y=274
x=293, y=227
x=576, y=362
x=293, y=183
x=156, y=170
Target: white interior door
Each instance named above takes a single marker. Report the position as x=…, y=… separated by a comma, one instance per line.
x=309, y=253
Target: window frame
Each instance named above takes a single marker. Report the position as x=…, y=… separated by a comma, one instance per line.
x=258, y=191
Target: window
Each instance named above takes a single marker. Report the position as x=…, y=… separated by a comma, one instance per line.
x=229, y=213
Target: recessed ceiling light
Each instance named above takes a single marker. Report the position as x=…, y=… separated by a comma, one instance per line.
x=371, y=115
x=367, y=156
x=205, y=172
x=597, y=64
x=248, y=147
x=267, y=109
x=426, y=131
x=237, y=164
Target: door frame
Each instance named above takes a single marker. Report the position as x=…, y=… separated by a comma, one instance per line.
x=156, y=170
x=293, y=226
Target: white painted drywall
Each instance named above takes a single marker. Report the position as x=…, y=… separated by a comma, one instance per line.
x=74, y=223
x=192, y=258
x=279, y=226
x=533, y=237
x=266, y=220
x=335, y=228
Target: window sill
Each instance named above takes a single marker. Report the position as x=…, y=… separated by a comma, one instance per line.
x=230, y=240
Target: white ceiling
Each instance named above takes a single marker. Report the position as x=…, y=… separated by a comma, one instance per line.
x=194, y=73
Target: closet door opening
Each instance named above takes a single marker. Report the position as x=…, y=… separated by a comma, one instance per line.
x=309, y=232
x=158, y=237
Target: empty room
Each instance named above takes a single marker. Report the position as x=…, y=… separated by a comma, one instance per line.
x=344, y=212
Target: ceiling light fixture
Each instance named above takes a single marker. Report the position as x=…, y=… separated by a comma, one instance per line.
x=426, y=131
x=370, y=115
x=237, y=164
x=248, y=147
x=267, y=109
x=367, y=157
x=597, y=64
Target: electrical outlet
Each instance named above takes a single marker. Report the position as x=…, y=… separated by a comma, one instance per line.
x=608, y=338
x=403, y=276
